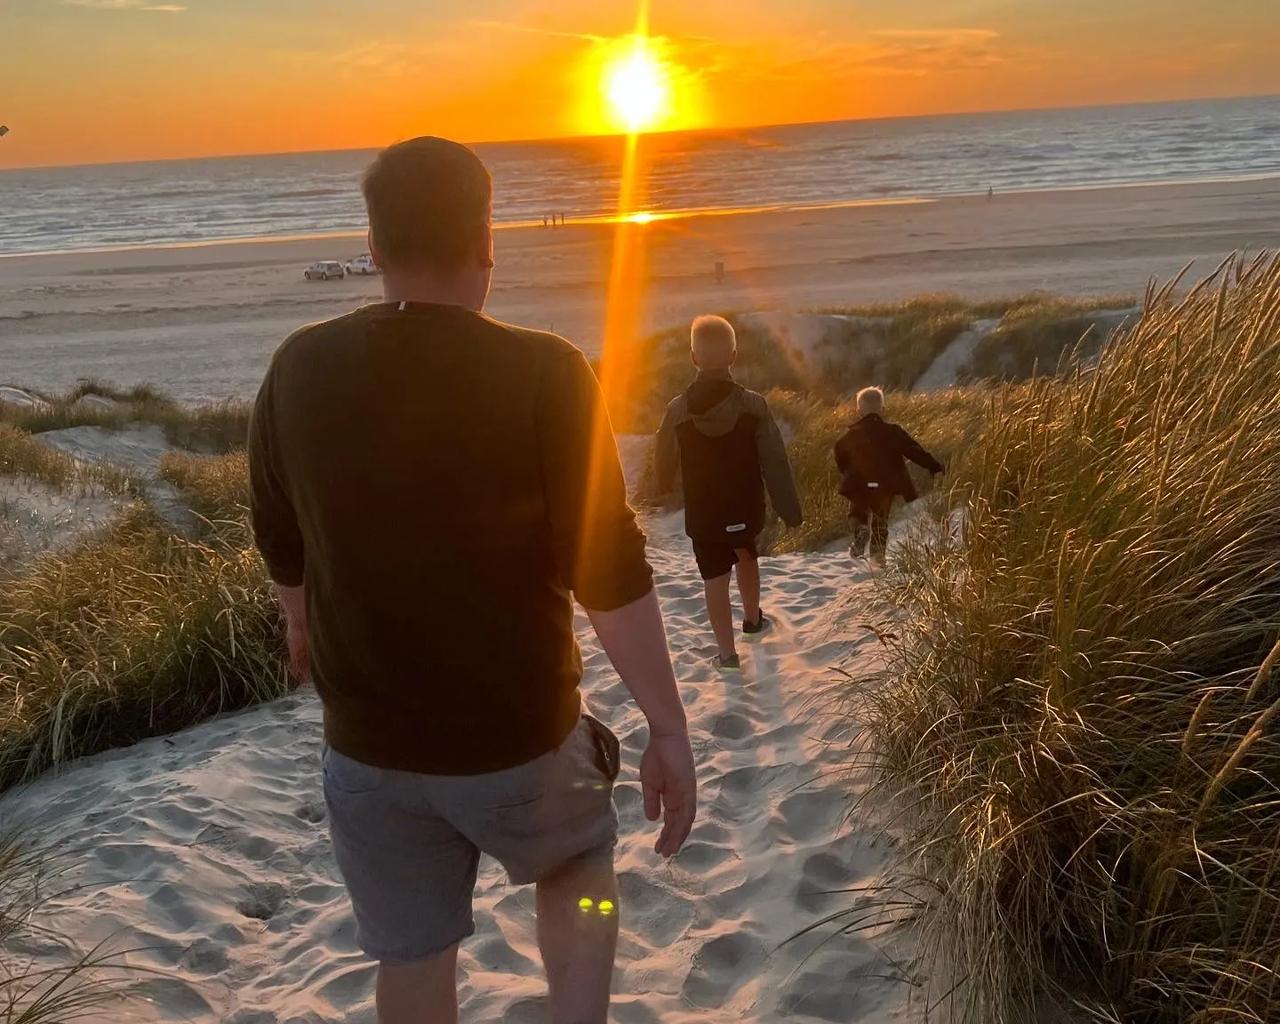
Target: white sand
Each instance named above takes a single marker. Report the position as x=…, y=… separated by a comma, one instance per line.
x=139, y=449
x=37, y=518
x=207, y=851
x=946, y=366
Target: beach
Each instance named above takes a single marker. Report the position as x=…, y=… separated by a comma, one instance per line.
x=201, y=321
x=206, y=855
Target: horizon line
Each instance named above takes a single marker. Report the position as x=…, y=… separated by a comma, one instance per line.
x=605, y=136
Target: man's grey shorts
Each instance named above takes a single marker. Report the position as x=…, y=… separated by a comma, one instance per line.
x=408, y=844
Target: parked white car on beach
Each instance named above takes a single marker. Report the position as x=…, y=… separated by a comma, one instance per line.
x=362, y=265
x=324, y=270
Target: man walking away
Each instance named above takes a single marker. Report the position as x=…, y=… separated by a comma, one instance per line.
x=420, y=479
x=727, y=448
x=873, y=472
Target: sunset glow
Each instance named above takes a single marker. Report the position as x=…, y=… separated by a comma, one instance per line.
x=155, y=79
x=637, y=86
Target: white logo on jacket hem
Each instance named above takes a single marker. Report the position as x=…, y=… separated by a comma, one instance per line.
x=735, y=528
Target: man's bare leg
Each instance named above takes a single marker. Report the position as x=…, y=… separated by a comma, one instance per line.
x=749, y=585
x=720, y=612
x=578, y=936
x=421, y=993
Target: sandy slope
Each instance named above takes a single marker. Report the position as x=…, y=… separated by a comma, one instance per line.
x=207, y=850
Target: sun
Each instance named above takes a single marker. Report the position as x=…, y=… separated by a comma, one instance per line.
x=637, y=85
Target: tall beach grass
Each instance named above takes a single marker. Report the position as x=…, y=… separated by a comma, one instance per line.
x=1081, y=702
x=136, y=633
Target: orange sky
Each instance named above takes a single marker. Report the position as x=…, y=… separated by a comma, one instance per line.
x=94, y=80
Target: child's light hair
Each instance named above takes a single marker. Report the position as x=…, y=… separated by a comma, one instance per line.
x=870, y=400
x=713, y=342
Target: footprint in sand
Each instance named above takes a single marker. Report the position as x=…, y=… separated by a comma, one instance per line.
x=813, y=814
x=657, y=916
x=824, y=876
x=701, y=857
x=261, y=900
x=731, y=726
x=532, y=1010
x=312, y=811
x=720, y=967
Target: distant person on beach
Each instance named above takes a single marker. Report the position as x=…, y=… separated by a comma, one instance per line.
x=431, y=490
x=871, y=457
x=726, y=446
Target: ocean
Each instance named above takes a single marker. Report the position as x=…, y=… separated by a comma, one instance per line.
x=186, y=201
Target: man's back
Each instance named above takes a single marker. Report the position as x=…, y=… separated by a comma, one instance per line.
x=435, y=463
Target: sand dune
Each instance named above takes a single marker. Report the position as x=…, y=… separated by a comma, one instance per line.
x=206, y=852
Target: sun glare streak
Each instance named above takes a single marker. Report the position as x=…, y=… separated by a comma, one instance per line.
x=624, y=303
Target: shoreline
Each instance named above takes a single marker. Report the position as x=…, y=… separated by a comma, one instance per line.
x=648, y=216
x=200, y=321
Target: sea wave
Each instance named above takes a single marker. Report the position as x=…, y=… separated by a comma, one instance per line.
x=315, y=193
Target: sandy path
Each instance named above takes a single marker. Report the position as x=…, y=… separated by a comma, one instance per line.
x=208, y=850
x=942, y=372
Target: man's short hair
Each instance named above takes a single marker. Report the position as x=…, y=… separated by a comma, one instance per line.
x=713, y=342
x=870, y=400
x=429, y=202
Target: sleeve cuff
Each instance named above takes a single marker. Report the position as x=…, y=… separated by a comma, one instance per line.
x=285, y=573
x=620, y=590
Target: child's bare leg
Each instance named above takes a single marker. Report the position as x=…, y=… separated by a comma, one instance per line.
x=749, y=585
x=720, y=612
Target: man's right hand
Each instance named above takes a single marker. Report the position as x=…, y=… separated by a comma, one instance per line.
x=296, y=641
x=670, y=787
x=636, y=642
x=293, y=603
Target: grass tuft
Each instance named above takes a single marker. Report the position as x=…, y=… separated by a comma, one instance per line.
x=212, y=427
x=1080, y=706
x=137, y=633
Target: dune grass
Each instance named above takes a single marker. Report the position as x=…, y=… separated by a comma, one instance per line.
x=215, y=486
x=22, y=455
x=1043, y=335
x=1081, y=706
x=888, y=344
x=210, y=427
x=136, y=633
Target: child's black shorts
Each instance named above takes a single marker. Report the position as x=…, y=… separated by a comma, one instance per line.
x=718, y=557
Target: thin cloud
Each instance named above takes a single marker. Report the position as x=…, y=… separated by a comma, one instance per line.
x=900, y=53
x=533, y=30
x=126, y=5
x=921, y=51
